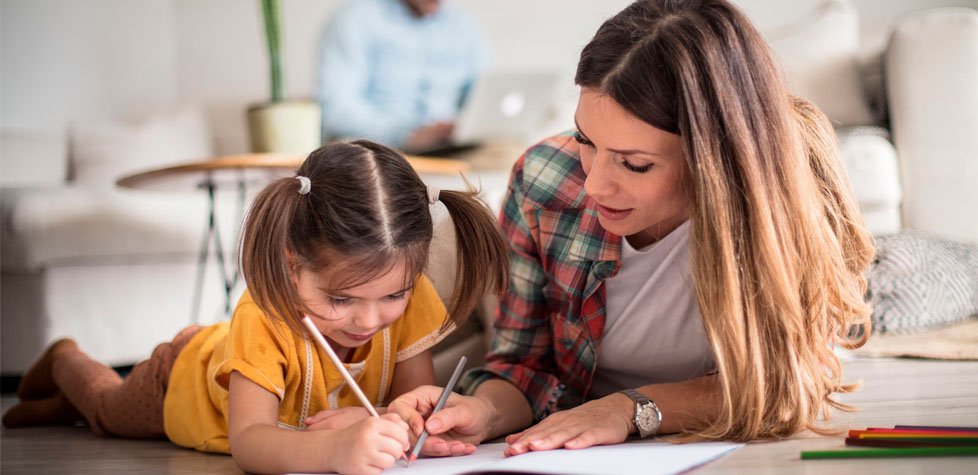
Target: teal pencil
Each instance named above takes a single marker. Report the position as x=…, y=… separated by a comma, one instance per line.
x=894, y=452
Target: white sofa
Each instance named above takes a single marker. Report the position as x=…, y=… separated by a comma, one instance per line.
x=113, y=268
x=907, y=115
x=116, y=268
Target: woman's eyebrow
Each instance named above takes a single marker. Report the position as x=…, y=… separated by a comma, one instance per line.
x=634, y=152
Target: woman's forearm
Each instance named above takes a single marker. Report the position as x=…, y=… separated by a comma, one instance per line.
x=684, y=404
x=510, y=411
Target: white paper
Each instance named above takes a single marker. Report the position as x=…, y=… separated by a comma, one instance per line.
x=635, y=457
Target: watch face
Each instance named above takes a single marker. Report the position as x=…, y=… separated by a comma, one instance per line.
x=647, y=420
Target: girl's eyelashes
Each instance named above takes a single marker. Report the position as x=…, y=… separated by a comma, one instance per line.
x=340, y=301
x=581, y=139
x=397, y=296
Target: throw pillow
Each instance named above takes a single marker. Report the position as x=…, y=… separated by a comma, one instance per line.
x=871, y=163
x=820, y=54
x=920, y=281
x=102, y=151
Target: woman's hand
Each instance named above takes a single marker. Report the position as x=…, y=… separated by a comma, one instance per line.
x=454, y=430
x=338, y=418
x=602, y=421
x=369, y=446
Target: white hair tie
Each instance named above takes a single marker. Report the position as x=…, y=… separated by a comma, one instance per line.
x=433, y=193
x=306, y=184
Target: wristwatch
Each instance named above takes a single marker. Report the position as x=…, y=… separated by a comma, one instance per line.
x=647, y=416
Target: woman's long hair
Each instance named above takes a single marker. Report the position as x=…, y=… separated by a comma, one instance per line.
x=778, y=245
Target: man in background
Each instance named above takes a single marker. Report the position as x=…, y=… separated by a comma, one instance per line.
x=397, y=71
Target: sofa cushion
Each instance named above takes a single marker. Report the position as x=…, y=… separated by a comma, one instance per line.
x=931, y=74
x=31, y=159
x=102, y=151
x=821, y=56
x=919, y=280
x=41, y=227
x=871, y=163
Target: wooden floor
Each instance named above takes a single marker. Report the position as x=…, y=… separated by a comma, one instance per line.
x=895, y=391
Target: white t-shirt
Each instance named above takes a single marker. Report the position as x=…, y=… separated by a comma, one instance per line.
x=652, y=332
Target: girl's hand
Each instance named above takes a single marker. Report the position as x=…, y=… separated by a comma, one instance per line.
x=338, y=418
x=369, y=446
x=455, y=430
x=602, y=421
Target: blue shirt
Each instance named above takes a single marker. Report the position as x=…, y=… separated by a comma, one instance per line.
x=384, y=72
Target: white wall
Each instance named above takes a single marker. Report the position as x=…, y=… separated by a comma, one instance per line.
x=66, y=59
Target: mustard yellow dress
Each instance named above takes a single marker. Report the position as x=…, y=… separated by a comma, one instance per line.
x=291, y=366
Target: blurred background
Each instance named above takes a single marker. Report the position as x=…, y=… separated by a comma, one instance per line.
x=63, y=60
x=92, y=91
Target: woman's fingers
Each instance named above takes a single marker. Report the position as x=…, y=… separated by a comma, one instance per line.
x=453, y=415
x=438, y=447
x=586, y=439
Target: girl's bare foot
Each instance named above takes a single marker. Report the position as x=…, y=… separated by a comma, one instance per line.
x=53, y=410
x=37, y=382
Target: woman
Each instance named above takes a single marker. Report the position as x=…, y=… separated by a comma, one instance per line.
x=694, y=240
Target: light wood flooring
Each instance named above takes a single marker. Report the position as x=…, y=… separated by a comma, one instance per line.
x=895, y=391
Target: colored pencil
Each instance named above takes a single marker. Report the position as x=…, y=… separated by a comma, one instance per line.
x=352, y=383
x=949, y=428
x=922, y=431
x=911, y=433
x=923, y=442
x=890, y=452
x=918, y=436
x=439, y=405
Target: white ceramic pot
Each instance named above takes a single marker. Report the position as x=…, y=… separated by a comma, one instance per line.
x=288, y=127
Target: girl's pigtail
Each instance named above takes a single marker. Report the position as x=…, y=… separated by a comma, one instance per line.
x=482, y=254
x=264, y=250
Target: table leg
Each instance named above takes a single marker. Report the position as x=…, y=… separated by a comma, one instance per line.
x=208, y=185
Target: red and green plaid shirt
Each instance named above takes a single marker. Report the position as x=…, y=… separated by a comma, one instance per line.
x=550, y=321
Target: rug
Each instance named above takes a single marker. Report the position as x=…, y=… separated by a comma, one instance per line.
x=953, y=342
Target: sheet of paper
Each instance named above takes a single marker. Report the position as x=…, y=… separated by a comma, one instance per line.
x=634, y=457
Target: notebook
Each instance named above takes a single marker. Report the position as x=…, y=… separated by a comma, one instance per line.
x=639, y=457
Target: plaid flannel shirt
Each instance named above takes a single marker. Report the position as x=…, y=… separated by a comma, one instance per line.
x=550, y=321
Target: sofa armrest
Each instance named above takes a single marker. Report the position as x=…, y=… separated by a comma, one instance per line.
x=931, y=75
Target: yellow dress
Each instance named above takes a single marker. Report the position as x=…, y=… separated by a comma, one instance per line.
x=288, y=365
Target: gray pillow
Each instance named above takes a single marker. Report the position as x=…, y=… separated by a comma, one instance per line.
x=920, y=281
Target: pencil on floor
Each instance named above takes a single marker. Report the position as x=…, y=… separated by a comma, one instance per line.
x=890, y=452
x=941, y=428
x=907, y=442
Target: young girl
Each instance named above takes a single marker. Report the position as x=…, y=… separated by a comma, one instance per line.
x=344, y=242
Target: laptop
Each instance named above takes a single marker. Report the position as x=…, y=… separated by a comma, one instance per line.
x=502, y=106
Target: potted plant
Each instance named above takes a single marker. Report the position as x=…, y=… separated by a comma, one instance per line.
x=281, y=126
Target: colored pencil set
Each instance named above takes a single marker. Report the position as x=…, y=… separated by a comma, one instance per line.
x=905, y=441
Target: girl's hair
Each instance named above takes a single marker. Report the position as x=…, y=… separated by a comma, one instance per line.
x=366, y=211
x=779, y=246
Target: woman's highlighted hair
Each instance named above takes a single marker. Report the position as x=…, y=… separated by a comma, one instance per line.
x=778, y=247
